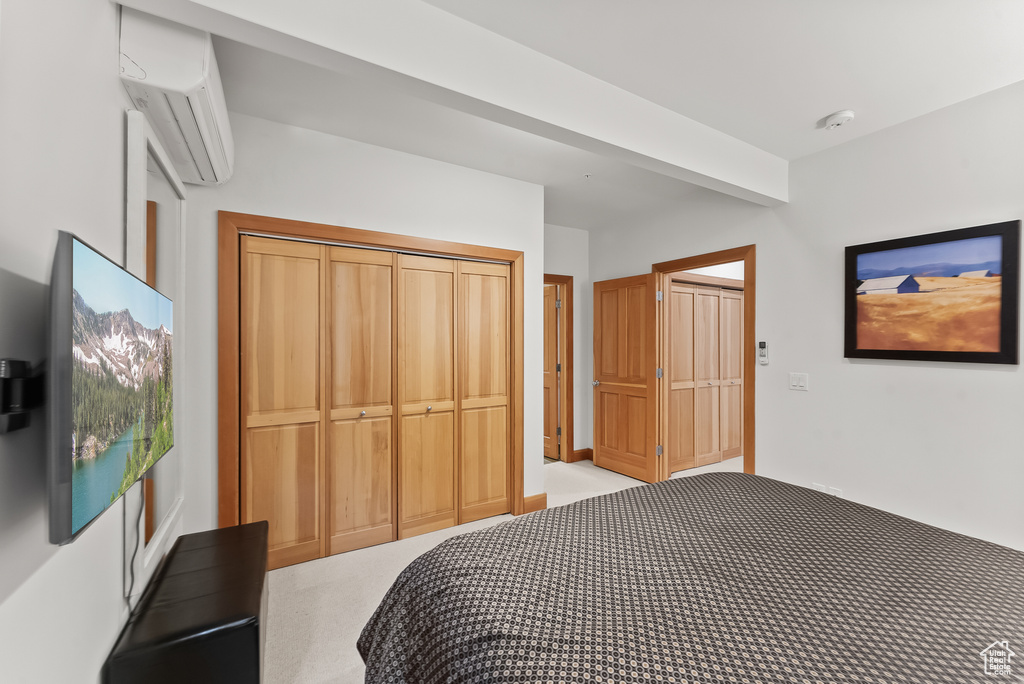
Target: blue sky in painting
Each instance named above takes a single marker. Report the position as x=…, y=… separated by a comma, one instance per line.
x=971, y=254
x=106, y=287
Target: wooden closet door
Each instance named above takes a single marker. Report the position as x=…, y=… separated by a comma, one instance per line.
x=625, y=390
x=680, y=373
x=485, y=479
x=731, y=345
x=360, y=435
x=708, y=380
x=427, y=483
x=281, y=312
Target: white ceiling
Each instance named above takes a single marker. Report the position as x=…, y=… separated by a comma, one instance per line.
x=763, y=72
x=263, y=84
x=767, y=71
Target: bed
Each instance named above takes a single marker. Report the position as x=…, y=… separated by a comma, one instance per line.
x=722, y=577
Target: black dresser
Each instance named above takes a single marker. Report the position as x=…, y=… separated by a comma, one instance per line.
x=203, y=616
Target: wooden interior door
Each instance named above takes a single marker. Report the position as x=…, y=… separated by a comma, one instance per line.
x=731, y=345
x=551, y=389
x=281, y=309
x=485, y=477
x=360, y=436
x=707, y=397
x=680, y=376
x=625, y=390
x=427, y=481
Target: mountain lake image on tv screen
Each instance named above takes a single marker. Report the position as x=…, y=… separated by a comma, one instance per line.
x=122, y=375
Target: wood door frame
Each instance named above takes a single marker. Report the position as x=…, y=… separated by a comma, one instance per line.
x=566, y=389
x=231, y=226
x=748, y=255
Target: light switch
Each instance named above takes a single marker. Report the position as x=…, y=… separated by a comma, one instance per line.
x=798, y=381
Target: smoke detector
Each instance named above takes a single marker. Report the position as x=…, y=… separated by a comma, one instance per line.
x=838, y=119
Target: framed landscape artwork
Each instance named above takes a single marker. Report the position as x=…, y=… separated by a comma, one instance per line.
x=950, y=296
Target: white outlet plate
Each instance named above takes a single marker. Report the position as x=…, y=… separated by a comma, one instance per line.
x=835, y=491
x=798, y=382
x=819, y=487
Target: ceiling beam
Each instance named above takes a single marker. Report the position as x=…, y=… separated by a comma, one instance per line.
x=424, y=51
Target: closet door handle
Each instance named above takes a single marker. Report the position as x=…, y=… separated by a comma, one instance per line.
x=362, y=413
x=429, y=408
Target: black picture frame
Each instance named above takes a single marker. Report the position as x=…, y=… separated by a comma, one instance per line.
x=935, y=275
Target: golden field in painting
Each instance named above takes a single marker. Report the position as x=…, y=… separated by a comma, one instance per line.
x=948, y=314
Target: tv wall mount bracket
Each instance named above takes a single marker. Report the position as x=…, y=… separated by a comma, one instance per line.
x=21, y=390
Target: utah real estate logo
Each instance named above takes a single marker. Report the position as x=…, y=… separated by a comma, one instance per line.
x=997, y=658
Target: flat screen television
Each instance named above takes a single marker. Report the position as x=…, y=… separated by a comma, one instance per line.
x=109, y=393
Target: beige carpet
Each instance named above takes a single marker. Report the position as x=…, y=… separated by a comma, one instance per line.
x=317, y=609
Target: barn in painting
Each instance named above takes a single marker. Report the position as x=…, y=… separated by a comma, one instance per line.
x=889, y=285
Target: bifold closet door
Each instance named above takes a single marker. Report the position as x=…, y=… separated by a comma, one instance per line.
x=427, y=482
x=483, y=345
x=704, y=367
x=360, y=435
x=731, y=346
x=680, y=369
x=282, y=307
x=708, y=375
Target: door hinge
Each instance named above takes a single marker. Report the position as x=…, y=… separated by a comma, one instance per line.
x=659, y=374
x=558, y=303
x=658, y=451
x=558, y=368
x=558, y=432
x=660, y=296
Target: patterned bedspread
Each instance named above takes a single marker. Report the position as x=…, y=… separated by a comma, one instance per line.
x=721, y=577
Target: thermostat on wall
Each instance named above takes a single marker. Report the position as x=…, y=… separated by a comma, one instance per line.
x=762, y=353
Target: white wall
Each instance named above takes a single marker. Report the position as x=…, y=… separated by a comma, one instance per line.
x=733, y=269
x=62, y=137
x=935, y=442
x=567, y=253
x=299, y=174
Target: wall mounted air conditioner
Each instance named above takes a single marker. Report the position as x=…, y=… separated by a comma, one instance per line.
x=170, y=73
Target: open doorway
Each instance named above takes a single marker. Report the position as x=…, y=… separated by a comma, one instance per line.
x=703, y=366
x=706, y=340
x=636, y=423
x=558, y=369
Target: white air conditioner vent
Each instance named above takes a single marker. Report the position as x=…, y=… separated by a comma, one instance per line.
x=170, y=73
